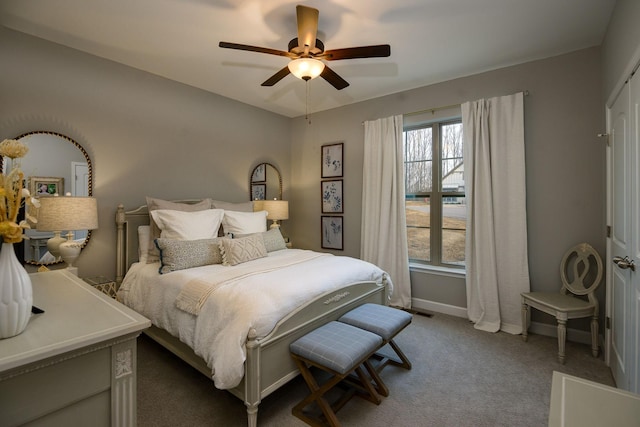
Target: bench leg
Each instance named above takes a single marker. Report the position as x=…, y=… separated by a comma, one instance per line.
x=384, y=360
x=380, y=386
x=405, y=361
x=317, y=396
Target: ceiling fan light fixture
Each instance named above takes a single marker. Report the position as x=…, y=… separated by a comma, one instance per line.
x=306, y=68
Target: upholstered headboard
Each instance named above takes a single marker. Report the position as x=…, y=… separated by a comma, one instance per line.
x=127, y=223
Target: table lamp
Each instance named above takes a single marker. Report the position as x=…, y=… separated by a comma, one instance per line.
x=276, y=210
x=69, y=214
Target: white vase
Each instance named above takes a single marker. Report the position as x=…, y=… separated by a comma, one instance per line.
x=16, y=294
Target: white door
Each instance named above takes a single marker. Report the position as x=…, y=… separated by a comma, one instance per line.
x=622, y=251
x=633, y=319
x=80, y=183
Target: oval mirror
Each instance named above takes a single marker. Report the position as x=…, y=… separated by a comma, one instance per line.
x=265, y=183
x=55, y=164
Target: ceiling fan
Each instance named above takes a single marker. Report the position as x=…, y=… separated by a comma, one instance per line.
x=306, y=52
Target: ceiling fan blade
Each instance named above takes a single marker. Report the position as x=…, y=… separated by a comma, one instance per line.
x=277, y=77
x=246, y=47
x=376, y=51
x=307, y=26
x=334, y=79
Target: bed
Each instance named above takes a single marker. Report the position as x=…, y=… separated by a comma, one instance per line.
x=263, y=337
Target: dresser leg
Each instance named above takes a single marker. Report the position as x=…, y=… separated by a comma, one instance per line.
x=123, y=384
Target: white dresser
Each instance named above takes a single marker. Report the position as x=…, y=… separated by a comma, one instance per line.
x=74, y=364
x=576, y=402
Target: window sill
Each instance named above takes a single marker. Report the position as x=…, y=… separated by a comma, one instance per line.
x=438, y=270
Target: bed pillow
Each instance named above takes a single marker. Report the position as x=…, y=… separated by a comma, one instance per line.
x=181, y=225
x=154, y=204
x=244, y=222
x=182, y=254
x=237, y=251
x=237, y=207
x=228, y=206
x=273, y=240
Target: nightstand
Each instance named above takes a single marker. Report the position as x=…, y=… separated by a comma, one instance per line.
x=75, y=363
x=104, y=285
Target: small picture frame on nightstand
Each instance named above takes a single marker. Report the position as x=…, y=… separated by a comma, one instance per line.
x=103, y=284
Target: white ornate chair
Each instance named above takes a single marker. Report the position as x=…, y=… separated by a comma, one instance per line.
x=579, y=279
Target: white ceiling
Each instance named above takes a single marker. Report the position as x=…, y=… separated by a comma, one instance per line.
x=431, y=40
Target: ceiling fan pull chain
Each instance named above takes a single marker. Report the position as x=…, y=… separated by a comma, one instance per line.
x=306, y=104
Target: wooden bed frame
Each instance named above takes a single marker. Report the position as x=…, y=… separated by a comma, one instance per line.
x=268, y=364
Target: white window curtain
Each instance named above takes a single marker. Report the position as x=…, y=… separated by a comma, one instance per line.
x=497, y=268
x=384, y=230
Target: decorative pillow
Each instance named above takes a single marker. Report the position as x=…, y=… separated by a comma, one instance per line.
x=237, y=207
x=181, y=254
x=273, y=240
x=143, y=242
x=181, y=225
x=244, y=222
x=153, y=204
x=236, y=251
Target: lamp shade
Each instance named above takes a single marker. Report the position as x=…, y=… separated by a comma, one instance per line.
x=276, y=209
x=67, y=213
x=258, y=205
x=306, y=68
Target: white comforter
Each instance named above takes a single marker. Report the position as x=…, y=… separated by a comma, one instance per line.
x=219, y=332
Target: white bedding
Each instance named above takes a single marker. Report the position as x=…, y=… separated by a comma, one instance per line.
x=219, y=332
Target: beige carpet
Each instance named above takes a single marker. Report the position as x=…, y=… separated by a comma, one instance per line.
x=460, y=377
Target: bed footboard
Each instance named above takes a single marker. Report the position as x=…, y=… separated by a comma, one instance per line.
x=269, y=365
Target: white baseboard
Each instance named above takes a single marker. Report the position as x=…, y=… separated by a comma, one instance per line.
x=574, y=335
x=438, y=307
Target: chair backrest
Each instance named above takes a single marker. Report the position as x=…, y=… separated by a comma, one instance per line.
x=581, y=270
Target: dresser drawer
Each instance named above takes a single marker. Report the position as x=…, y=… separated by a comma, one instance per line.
x=46, y=388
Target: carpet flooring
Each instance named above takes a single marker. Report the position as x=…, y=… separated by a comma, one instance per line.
x=460, y=377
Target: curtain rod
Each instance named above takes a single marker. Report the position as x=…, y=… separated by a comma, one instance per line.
x=446, y=107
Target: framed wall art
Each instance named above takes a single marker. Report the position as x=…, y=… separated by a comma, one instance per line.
x=259, y=173
x=41, y=186
x=258, y=191
x=332, y=163
x=332, y=232
x=332, y=201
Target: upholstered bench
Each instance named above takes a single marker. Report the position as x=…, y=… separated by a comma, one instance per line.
x=340, y=350
x=384, y=321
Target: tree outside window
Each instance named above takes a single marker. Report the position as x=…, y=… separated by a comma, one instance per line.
x=435, y=199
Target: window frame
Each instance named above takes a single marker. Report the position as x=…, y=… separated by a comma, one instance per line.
x=436, y=195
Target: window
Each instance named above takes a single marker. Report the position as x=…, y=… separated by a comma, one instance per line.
x=435, y=198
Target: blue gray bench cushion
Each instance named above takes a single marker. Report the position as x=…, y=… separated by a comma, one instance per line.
x=337, y=346
x=379, y=319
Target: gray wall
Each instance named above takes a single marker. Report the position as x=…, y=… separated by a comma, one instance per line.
x=150, y=136
x=621, y=46
x=145, y=135
x=565, y=161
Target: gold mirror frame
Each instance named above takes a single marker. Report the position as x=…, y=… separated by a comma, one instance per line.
x=63, y=138
x=267, y=176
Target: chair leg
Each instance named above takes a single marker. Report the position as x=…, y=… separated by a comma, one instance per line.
x=594, y=336
x=525, y=321
x=562, y=335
